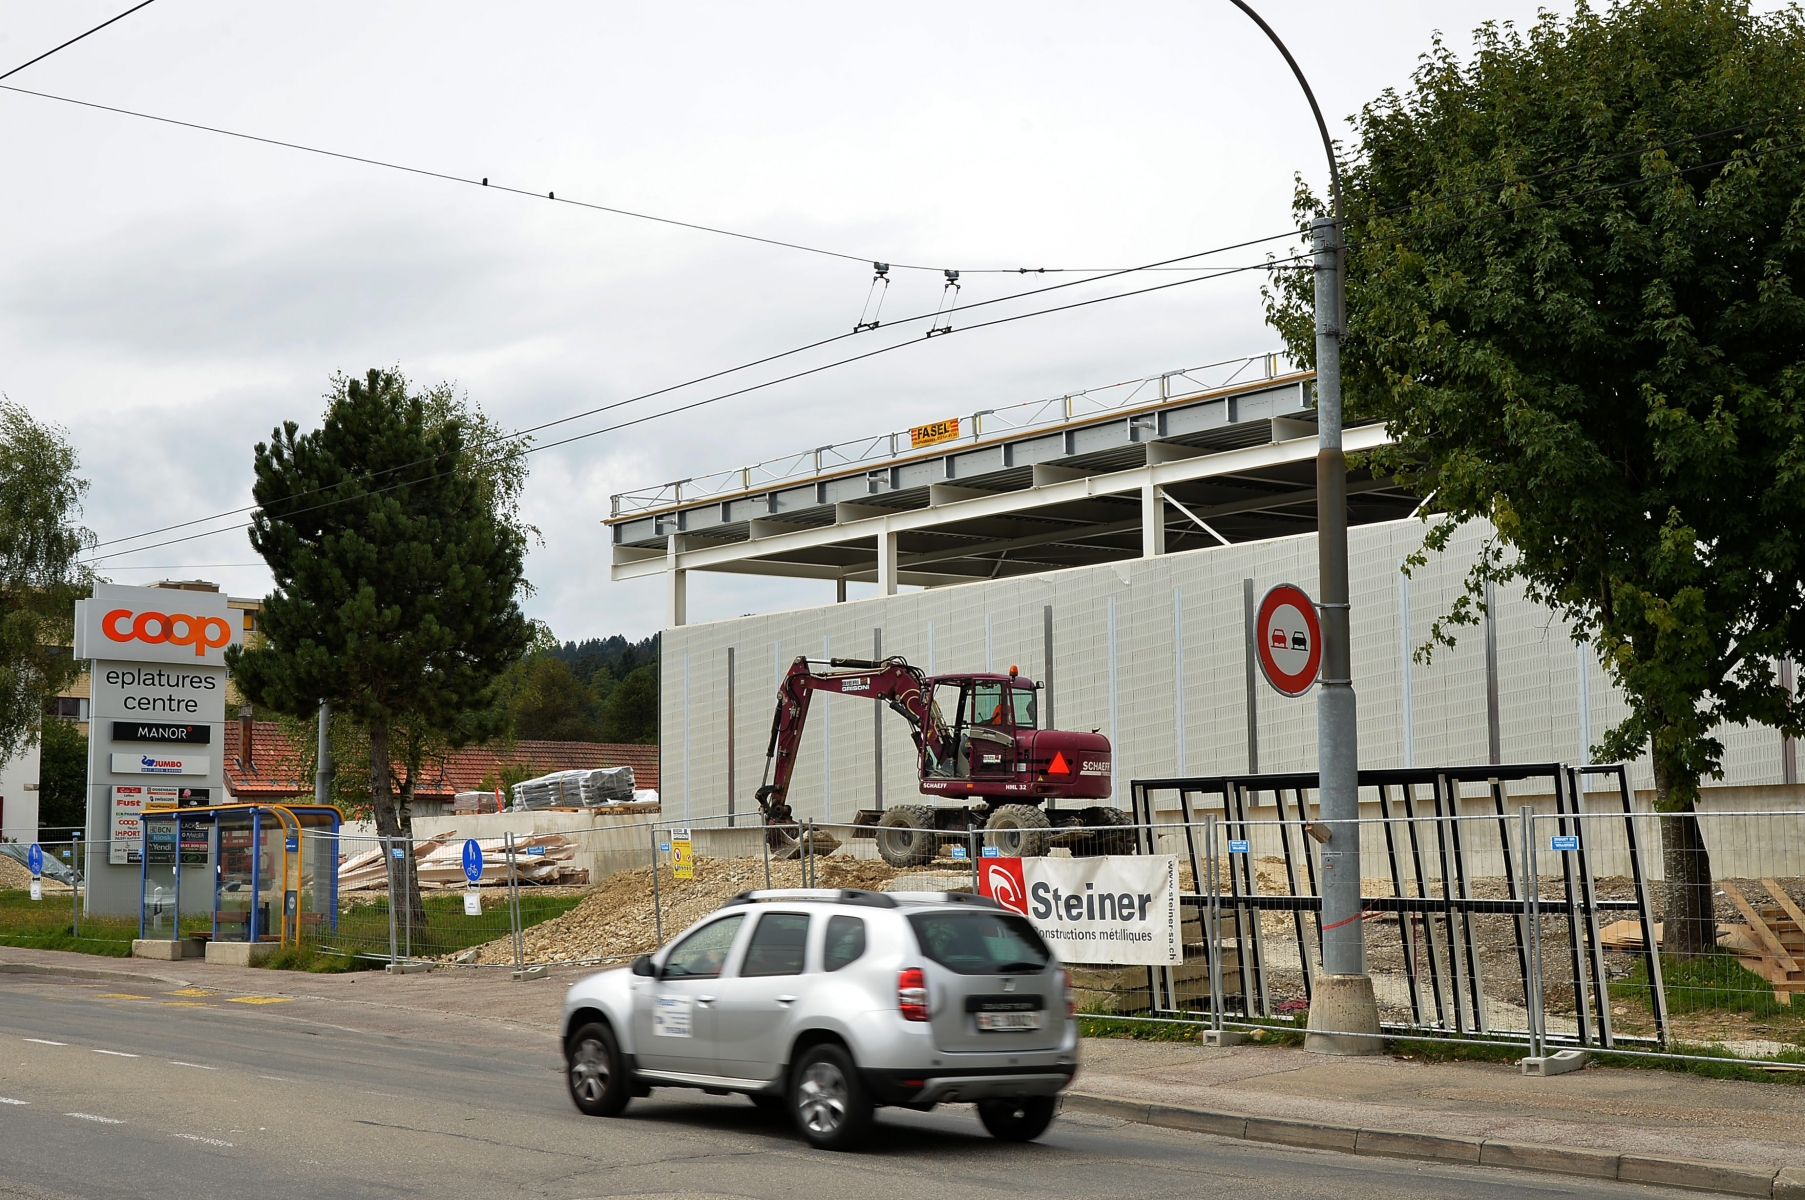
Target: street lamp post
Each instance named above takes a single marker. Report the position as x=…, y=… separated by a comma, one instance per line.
x=1344, y=1014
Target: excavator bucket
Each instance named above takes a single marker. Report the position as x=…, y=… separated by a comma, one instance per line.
x=786, y=841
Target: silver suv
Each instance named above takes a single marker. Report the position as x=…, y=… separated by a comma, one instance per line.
x=827, y=1004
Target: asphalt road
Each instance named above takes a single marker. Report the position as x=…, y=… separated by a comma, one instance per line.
x=126, y=1090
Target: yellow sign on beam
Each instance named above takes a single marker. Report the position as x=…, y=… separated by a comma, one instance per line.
x=933, y=433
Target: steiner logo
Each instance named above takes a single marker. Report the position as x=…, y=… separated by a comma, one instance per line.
x=176, y=629
x=1003, y=883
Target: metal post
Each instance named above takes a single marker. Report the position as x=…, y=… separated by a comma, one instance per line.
x=764, y=840
x=388, y=856
x=877, y=729
x=657, y=896
x=407, y=921
x=730, y=748
x=1253, y=710
x=514, y=905
x=322, y=779
x=971, y=848
x=77, y=868
x=1532, y=892
x=1213, y=934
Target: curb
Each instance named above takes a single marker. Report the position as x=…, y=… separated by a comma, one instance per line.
x=1735, y=1179
x=12, y=968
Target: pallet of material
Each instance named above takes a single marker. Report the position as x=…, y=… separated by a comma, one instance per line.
x=538, y=859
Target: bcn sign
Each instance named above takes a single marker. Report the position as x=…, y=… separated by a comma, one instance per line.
x=154, y=625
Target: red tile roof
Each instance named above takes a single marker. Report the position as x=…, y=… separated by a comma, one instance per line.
x=275, y=768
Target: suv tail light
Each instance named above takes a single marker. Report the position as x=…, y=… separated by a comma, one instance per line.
x=912, y=994
x=1071, y=1001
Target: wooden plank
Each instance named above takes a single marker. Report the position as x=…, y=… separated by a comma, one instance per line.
x=1766, y=935
x=1784, y=901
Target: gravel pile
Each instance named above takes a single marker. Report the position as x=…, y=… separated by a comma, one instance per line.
x=617, y=919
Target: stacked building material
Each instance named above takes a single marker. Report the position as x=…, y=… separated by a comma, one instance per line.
x=560, y=789
x=608, y=785
x=539, y=858
x=479, y=802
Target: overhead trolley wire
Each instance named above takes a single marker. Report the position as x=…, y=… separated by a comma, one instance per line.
x=715, y=399
x=483, y=182
x=1162, y=264
x=1298, y=260
x=78, y=37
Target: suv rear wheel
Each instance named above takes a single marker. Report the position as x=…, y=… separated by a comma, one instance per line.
x=828, y=1099
x=1019, y=1120
x=596, y=1073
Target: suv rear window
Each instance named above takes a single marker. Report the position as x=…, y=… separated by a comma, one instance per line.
x=981, y=943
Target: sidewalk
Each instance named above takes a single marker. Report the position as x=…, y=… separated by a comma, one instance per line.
x=1642, y=1125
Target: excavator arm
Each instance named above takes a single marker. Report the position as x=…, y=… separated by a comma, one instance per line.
x=903, y=687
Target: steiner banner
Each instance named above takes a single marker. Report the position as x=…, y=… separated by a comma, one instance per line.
x=1115, y=910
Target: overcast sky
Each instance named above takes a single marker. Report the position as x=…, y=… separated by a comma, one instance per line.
x=170, y=296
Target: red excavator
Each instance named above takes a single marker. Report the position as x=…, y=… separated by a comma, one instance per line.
x=980, y=752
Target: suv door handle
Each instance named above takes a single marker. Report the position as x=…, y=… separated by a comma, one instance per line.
x=786, y=999
x=704, y=999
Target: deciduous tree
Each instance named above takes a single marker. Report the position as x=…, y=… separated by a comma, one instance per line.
x=1573, y=297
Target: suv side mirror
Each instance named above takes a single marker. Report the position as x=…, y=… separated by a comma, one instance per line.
x=643, y=966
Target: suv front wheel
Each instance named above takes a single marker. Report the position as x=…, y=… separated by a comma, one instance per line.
x=1020, y=1120
x=828, y=1099
x=596, y=1072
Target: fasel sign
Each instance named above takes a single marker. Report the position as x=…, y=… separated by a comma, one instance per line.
x=1112, y=909
x=163, y=625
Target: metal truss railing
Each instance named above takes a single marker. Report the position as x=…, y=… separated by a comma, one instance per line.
x=868, y=452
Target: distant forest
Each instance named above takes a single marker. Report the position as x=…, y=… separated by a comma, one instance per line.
x=601, y=690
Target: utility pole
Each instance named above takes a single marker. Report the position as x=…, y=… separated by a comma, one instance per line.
x=322, y=779
x=1344, y=1013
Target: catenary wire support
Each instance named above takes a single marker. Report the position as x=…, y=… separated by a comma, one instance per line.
x=949, y=300
x=880, y=287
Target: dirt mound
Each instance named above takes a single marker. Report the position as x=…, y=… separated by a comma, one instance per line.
x=617, y=918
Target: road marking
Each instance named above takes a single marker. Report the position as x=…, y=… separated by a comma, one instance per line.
x=120, y=996
x=185, y=1004
x=259, y=999
x=196, y=1066
x=46, y=1042
x=205, y=1141
x=92, y=1117
x=192, y=991
x=385, y=1095
x=10, y=1100
x=277, y=1078
x=116, y=1053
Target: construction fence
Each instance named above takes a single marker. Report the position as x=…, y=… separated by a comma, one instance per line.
x=1526, y=906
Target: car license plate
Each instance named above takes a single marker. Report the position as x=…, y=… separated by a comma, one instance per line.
x=1008, y=1022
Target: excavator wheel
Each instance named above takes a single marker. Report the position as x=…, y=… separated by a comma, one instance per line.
x=906, y=835
x=1019, y=831
x=1105, y=840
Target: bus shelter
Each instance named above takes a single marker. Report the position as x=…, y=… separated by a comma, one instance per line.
x=267, y=869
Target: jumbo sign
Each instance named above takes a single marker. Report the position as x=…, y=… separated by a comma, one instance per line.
x=155, y=625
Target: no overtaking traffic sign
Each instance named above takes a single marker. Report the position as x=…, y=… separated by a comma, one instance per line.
x=1288, y=639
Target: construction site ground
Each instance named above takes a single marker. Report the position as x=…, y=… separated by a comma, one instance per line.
x=1630, y=1120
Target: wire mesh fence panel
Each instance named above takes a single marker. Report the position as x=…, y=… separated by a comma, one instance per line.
x=53, y=920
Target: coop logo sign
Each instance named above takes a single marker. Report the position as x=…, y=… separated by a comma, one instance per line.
x=1116, y=910
x=155, y=625
x=177, y=629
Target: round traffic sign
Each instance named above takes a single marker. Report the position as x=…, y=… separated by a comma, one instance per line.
x=1288, y=638
x=473, y=860
x=34, y=858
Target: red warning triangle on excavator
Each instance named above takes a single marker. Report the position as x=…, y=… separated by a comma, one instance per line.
x=1059, y=766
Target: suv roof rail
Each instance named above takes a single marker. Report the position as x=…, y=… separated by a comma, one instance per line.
x=947, y=898
x=836, y=895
